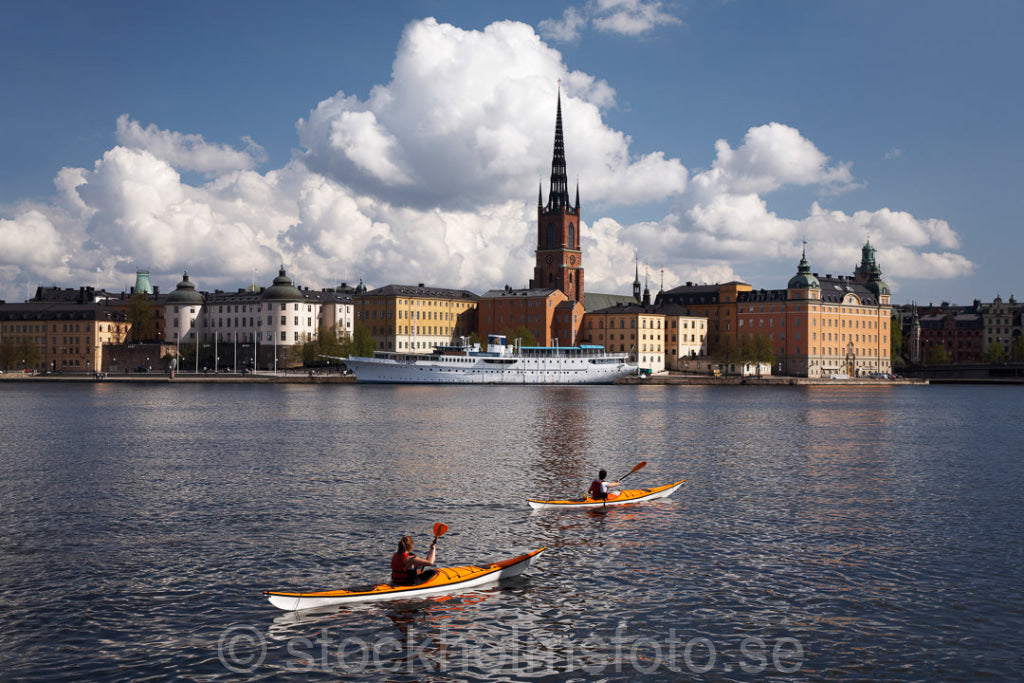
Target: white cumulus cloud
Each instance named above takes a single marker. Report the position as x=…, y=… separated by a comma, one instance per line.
x=434, y=176
x=624, y=17
x=184, y=152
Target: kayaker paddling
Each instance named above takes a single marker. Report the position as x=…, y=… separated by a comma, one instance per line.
x=600, y=488
x=407, y=569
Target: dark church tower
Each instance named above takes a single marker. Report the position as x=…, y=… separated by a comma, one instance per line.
x=559, y=259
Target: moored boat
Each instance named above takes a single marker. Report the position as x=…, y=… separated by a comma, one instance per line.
x=626, y=497
x=499, y=364
x=447, y=580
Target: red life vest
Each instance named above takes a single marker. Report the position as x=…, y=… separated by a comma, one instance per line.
x=399, y=574
x=595, y=490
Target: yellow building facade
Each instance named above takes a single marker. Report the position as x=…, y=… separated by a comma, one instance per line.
x=415, y=319
x=63, y=337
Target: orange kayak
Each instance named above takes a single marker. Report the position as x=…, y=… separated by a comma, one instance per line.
x=623, y=498
x=446, y=580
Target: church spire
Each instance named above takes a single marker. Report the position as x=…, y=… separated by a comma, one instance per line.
x=636, y=280
x=558, y=198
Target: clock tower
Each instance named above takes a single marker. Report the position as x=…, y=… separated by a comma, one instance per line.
x=559, y=259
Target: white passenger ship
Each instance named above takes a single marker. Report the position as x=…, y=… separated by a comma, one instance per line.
x=499, y=364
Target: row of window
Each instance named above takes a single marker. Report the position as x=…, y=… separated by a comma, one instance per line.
x=408, y=315
x=250, y=322
x=854, y=324
x=425, y=330
x=41, y=327
x=242, y=308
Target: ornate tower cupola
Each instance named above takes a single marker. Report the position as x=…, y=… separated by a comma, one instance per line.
x=804, y=278
x=869, y=274
x=868, y=269
x=559, y=262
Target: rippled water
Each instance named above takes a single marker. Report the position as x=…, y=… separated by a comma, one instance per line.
x=852, y=533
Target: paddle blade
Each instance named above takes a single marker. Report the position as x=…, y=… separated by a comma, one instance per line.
x=639, y=466
x=439, y=529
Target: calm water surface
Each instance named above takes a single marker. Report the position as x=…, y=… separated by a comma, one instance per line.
x=851, y=533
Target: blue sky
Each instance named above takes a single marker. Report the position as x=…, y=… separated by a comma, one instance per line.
x=710, y=140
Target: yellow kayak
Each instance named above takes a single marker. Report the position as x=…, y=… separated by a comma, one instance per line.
x=623, y=498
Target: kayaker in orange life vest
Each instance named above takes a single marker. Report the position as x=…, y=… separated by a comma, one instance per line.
x=599, y=489
x=406, y=568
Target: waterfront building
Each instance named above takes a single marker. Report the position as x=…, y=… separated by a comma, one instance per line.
x=252, y=327
x=547, y=314
x=973, y=334
x=716, y=303
x=415, y=319
x=337, y=308
x=832, y=325
x=661, y=336
x=954, y=334
x=685, y=336
x=1002, y=325
x=636, y=328
x=818, y=326
x=244, y=328
x=58, y=336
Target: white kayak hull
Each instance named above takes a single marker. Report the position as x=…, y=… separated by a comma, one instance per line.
x=638, y=496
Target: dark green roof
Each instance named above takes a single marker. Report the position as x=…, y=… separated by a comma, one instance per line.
x=185, y=293
x=282, y=289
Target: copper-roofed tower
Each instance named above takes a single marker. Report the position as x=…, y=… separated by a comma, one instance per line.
x=559, y=259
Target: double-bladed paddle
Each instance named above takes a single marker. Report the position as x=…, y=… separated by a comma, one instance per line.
x=639, y=466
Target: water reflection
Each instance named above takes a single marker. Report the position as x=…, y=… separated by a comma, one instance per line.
x=851, y=522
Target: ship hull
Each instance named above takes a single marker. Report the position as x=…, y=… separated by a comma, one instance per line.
x=463, y=370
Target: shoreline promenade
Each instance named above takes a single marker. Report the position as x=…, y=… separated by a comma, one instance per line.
x=305, y=377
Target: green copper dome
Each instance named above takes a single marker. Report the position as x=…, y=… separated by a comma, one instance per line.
x=804, y=278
